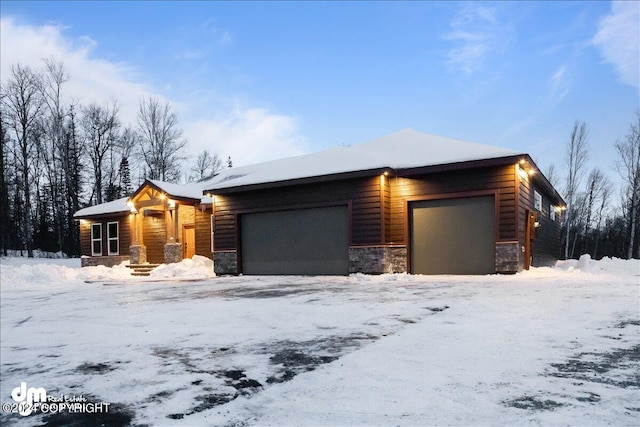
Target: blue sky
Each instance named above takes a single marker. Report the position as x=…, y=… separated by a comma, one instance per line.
x=264, y=80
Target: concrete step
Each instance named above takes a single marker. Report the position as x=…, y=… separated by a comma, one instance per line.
x=134, y=266
x=142, y=269
x=140, y=273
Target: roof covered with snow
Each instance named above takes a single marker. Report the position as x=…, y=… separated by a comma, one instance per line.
x=116, y=206
x=405, y=149
x=188, y=191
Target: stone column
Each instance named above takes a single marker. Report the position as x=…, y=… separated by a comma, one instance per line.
x=172, y=252
x=137, y=254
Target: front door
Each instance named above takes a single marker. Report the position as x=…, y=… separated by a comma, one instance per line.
x=188, y=241
x=529, y=236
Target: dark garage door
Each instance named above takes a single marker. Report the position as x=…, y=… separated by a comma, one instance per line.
x=302, y=241
x=453, y=236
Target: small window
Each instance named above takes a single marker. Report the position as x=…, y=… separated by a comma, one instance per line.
x=96, y=239
x=552, y=212
x=537, y=201
x=112, y=238
x=212, y=229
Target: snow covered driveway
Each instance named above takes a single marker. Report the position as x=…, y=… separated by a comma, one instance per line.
x=549, y=346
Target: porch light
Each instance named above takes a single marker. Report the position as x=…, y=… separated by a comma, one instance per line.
x=171, y=203
x=132, y=206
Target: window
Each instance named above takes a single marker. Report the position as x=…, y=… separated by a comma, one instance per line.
x=552, y=212
x=537, y=201
x=112, y=237
x=96, y=239
x=212, y=228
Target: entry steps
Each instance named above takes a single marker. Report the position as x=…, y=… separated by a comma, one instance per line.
x=142, y=269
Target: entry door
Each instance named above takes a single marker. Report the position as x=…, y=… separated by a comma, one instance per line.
x=453, y=236
x=188, y=241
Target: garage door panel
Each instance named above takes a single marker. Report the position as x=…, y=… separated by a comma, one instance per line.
x=304, y=241
x=453, y=236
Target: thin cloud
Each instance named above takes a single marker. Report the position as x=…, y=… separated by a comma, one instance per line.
x=559, y=84
x=248, y=135
x=473, y=34
x=618, y=40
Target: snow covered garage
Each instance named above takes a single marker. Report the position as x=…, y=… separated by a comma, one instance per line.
x=406, y=202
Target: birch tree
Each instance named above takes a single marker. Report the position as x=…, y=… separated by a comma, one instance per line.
x=575, y=158
x=628, y=166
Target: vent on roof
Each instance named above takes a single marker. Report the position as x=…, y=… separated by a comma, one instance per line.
x=230, y=177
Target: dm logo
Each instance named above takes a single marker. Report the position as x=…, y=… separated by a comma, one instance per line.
x=28, y=396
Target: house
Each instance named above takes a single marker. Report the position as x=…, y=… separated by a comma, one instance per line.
x=156, y=224
x=406, y=202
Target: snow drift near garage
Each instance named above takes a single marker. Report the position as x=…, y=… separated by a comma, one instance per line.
x=550, y=346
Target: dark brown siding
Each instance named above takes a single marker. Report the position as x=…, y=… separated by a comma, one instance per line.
x=363, y=195
x=203, y=232
x=500, y=178
x=386, y=201
x=123, y=229
x=154, y=238
x=546, y=246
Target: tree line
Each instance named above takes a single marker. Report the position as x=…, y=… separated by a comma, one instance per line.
x=601, y=219
x=57, y=156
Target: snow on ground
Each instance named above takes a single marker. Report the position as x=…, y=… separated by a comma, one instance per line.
x=551, y=346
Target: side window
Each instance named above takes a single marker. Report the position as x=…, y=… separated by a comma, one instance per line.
x=552, y=212
x=537, y=201
x=96, y=239
x=112, y=238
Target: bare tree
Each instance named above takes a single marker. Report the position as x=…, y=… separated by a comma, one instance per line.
x=628, y=166
x=161, y=142
x=596, y=183
x=552, y=175
x=207, y=165
x=5, y=178
x=100, y=125
x=605, y=195
x=575, y=158
x=56, y=161
x=22, y=102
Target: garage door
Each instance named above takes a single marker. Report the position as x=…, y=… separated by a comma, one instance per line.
x=453, y=236
x=303, y=241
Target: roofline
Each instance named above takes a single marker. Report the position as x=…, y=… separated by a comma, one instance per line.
x=172, y=196
x=101, y=215
x=539, y=176
x=300, y=181
x=372, y=172
x=469, y=164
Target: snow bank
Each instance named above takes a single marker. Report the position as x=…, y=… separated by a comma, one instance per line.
x=617, y=266
x=42, y=271
x=198, y=267
x=31, y=271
